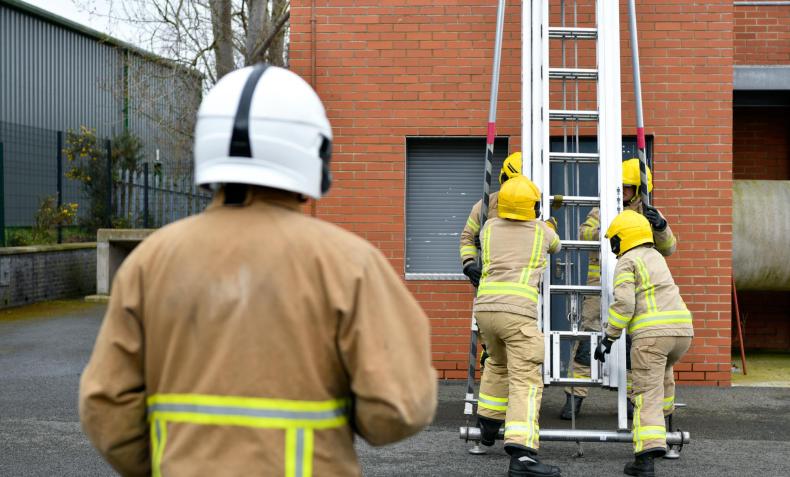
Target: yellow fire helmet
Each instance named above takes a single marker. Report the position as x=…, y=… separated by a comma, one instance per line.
x=627, y=230
x=510, y=168
x=519, y=199
x=631, y=175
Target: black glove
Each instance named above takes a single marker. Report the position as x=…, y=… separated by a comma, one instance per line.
x=477, y=242
x=604, y=347
x=658, y=223
x=472, y=270
x=483, y=357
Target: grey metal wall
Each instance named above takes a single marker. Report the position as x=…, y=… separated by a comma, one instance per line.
x=53, y=78
x=162, y=101
x=56, y=79
x=444, y=179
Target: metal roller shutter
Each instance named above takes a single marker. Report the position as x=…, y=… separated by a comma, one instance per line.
x=444, y=179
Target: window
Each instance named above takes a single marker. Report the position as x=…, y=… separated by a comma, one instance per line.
x=444, y=179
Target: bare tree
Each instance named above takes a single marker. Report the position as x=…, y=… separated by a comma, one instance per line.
x=211, y=36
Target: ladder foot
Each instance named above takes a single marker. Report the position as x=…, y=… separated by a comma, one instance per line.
x=477, y=450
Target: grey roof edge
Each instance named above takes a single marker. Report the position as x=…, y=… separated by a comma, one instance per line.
x=57, y=20
x=761, y=77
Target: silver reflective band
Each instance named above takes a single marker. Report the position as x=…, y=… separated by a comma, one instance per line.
x=246, y=412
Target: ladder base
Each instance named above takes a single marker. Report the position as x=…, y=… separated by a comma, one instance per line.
x=580, y=435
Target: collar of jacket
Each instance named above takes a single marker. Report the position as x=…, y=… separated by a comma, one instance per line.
x=256, y=195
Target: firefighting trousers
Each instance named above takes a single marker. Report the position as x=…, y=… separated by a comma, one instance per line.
x=512, y=385
x=652, y=359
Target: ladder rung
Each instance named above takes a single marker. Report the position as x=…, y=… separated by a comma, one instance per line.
x=580, y=289
x=576, y=381
x=573, y=33
x=568, y=115
x=578, y=157
x=580, y=245
x=579, y=201
x=582, y=334
x=573, y=73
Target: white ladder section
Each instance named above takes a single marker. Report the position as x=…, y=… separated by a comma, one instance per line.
x=543, y=119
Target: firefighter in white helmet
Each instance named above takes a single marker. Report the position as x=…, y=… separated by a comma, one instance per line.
x=665, y=243
x=514, y=249
x=253, y=339
x=470, y=236
x=648, y=304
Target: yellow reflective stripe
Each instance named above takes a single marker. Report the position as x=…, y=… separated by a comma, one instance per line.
x=647, y=433
x=299, y=445
x=290, y=453
x=298, y=418
x=669, y=402
x=666, y=244
x=486, y=244
x=472, y=224
x=637, y=421
x=534, y=258
x=468, y=251
x=554, y=243
x=617, y=320
x=492, y=402
x=158, y=440
x=647, y=287
x=537, y=249
x=532, y=417
x=250, y=412
x=508, y=288
x=592, y=222
x=495, y=399
x=660, y=318
x=623, y=278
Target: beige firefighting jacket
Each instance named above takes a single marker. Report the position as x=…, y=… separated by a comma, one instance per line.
x=590, y=229
x=255, y=340
x=472, y=228
x=514, y=258
x=646, y=299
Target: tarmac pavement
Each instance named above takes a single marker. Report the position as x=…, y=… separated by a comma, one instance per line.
x=734, y=432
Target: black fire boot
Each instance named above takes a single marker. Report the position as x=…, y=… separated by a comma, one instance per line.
x=629, y=409
x=525, y=463
x=570, y=400
x=643, y=465
x=489, y=428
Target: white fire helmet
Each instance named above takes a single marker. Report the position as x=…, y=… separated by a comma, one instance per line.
x=264, y=125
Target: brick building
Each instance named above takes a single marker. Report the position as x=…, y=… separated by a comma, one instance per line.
x=405, y=81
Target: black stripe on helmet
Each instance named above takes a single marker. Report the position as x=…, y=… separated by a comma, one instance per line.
x=240, y=140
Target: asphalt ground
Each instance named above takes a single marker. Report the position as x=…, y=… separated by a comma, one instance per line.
x=743, y=431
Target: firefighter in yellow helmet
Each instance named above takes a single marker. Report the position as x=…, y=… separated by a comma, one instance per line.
x=252, y=339
x=514, y=249
x=591, y=305
x=648, y=304
x=470, y=242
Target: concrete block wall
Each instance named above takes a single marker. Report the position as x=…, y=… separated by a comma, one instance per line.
x=390, y=69
x=49, y=272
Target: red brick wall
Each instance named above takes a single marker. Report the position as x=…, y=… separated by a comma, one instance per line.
x=761, y=143
x=765, y=316
x=390, y=69
x=762, y=35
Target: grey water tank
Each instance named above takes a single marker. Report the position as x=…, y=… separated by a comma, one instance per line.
x=761, y=235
